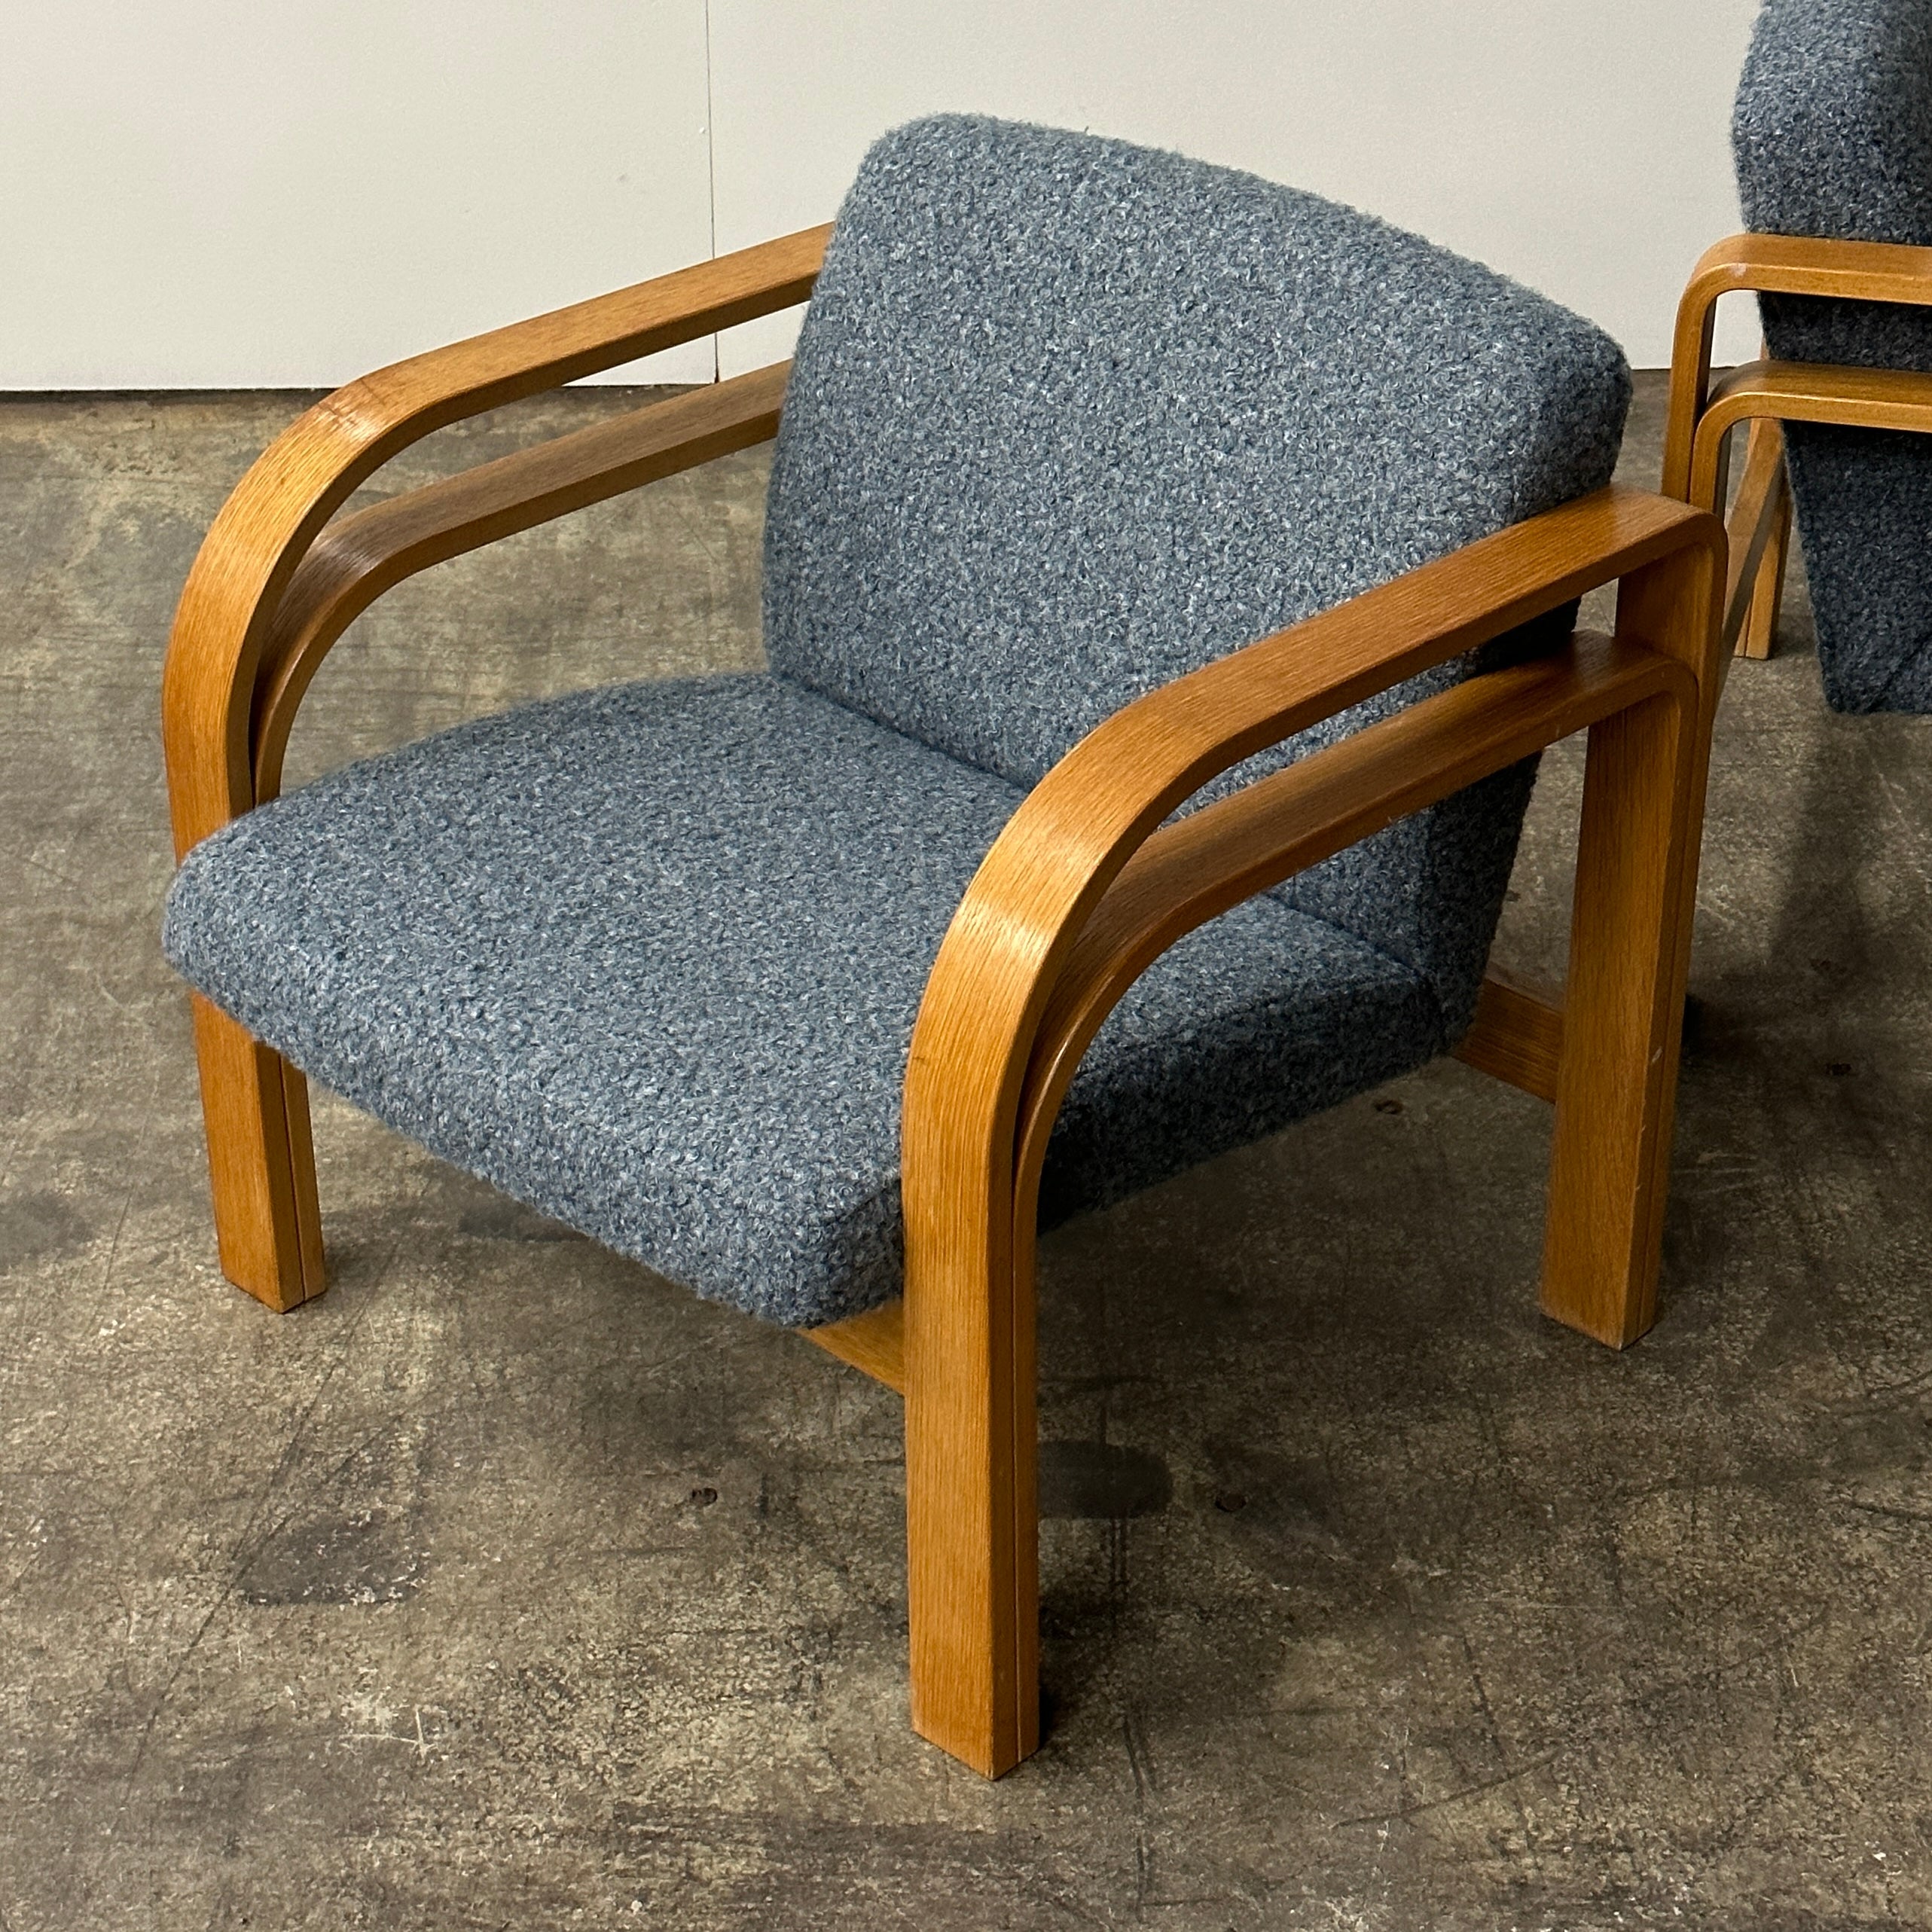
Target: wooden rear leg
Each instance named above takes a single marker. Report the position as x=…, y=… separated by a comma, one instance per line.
x=261, y=1163
x=1760, y=629
x=1760, y=540
x=1629, y=953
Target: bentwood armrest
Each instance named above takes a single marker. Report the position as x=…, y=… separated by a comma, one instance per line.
x=1773, y=265
x=1853, y=398
x=266, y=527
x=1810, y=265
x=1195, y=868
x=1198, y=867
x=357, y=558
x=1036, y=892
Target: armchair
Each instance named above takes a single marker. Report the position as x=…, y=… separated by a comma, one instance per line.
x=1831, y=132
x=1169, y=577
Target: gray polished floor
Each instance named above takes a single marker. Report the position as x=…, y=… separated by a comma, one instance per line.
x=508, y=1585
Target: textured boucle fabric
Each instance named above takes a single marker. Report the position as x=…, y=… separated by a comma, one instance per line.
x=649, y=958
x=1832, y=136
x=1069, y=418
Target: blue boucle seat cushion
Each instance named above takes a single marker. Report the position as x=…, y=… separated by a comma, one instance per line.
x=1068, y=418
x=1832, y=136
x=648, y=958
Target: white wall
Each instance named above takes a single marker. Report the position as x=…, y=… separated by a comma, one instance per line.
x=213, y=193
x=220, y=194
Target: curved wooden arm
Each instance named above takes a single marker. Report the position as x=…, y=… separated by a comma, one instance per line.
x=358, y=558
x=1858, y=398
x=1005, y=951
x=277, y=511
x=1811, y=265
x=1774, y=265
x=1194, y=868
x=1768, y=395
x=1198, y=867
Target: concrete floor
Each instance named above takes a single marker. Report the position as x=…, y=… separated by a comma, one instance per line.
x=508, y=1585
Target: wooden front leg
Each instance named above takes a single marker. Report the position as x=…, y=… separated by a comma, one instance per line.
x=261, y=1163
x=972, y=1502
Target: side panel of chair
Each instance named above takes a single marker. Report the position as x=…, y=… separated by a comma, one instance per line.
x=971, y=1159
x=232, y=681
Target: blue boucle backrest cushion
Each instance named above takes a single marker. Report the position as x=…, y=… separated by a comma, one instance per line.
x=1832, y=136
x=1070, y=418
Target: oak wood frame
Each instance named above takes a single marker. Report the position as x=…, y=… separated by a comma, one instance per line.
x=1767, y=394
x=1084, y=888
